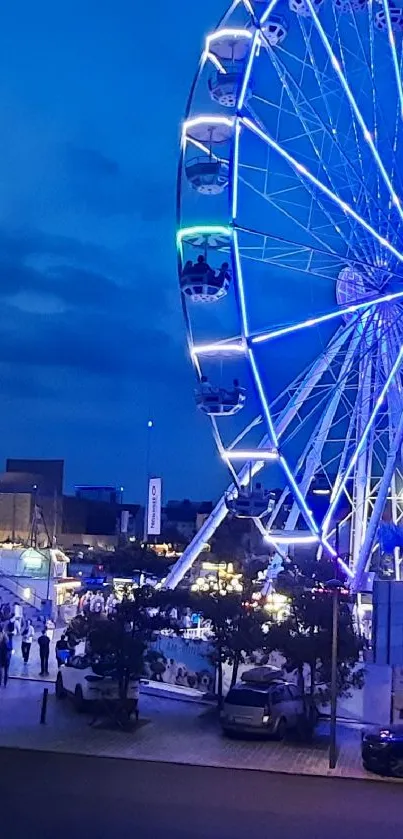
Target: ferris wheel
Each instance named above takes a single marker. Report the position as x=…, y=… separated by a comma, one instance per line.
x=290, y=243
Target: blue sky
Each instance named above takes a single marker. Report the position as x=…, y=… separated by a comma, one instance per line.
x=92, y=339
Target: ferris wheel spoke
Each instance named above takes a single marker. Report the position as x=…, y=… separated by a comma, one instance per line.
x=302, y=170
x=395, y=168
x=340, y=381
x=392, y=44
x=292, y=217
x=332, y=132
x=358, y=115
x=356, y=307
x=353, y=116
x=297, y=100
x=315, y=201
x=292, y=254
x=377, y=106
x=320, y=434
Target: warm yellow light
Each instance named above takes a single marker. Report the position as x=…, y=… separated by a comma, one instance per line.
x=69, y=584
x=26, y=593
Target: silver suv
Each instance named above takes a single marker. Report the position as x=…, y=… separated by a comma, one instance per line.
x=271, y=708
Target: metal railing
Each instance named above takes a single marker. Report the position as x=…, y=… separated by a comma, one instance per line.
x=20, y=591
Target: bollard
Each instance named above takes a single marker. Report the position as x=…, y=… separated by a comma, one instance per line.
x=44, y=705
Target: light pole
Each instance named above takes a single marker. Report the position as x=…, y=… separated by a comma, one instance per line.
x=150, y=426
x=335, y=584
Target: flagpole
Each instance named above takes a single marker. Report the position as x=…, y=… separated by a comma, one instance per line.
x=148, y=476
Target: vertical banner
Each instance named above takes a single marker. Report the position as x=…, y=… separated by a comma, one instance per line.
x=124, y=521
x=154, y=507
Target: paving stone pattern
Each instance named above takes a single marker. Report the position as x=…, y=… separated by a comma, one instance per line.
x=172, y=731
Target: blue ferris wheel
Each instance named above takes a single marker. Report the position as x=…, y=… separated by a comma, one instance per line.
x=290, y=243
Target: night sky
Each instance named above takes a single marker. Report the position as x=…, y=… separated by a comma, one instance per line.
x=92, y=340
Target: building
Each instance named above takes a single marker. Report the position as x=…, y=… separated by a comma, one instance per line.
x=98, y=524
x=34, y=509
x=47, y=475
x=181, y=520
x=109, y=494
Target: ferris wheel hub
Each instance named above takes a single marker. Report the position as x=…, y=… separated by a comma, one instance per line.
x=351, y=287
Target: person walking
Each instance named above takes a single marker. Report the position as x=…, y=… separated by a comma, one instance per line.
x=44, y=644
x=18, y=618
x=62, y=650
x=28, y=635
x=5, y=657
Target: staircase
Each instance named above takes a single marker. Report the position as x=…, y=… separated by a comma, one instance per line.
x=12, y=592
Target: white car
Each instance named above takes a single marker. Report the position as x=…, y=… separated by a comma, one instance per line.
x=79, y=679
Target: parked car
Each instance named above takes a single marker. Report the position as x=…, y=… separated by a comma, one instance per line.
x=89, y=681
x=270, y=709
x=382, y=750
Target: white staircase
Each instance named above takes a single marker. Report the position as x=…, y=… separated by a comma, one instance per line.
x=11, y=591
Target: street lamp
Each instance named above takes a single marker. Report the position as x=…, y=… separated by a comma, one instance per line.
x=150, y=426
x=335, y=585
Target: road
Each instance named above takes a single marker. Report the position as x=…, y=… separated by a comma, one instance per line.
x=45, y=795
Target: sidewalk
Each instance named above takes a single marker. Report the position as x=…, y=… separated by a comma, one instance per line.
x=19, y=670
x=31, y=672
x=170, y=731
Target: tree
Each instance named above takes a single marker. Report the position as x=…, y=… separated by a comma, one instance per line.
x=236, y=628
x=305, y=637
x=117, y=644
x=228, y=542
x=135, y=557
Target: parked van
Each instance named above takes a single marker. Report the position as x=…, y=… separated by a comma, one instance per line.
x=270, y=709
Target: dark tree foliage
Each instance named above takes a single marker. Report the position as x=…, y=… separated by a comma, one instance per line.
x=305, y=637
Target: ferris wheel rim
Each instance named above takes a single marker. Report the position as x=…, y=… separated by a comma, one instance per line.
x=241, y=344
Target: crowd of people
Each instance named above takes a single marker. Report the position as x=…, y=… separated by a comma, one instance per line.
x=97, y=603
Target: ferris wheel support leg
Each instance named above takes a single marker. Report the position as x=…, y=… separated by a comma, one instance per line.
x=379, y=505
x=197, y=544
x=209, y=527
x=362, y=468
x=389, y=350
x=219, y=513
x=320, y=435
x=396, y=552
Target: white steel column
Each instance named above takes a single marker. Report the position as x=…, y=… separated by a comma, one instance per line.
x=379, y=505
x=320, y=435
x=220, y=511
x=363, y=465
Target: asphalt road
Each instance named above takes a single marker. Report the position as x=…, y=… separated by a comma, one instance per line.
x=53, y=795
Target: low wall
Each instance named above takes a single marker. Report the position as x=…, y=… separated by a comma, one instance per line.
x=181, y=662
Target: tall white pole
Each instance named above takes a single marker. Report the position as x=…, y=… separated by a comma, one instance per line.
x=150, y=426
x=379, y=505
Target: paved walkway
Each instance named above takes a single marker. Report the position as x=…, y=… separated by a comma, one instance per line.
x=31, y=670
x=172, y=731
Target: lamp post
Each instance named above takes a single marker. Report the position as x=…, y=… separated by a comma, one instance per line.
x=335, y=584
x=150, y=426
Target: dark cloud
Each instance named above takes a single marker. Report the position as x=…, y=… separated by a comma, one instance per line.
x=90, y=163
x=92, y=339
